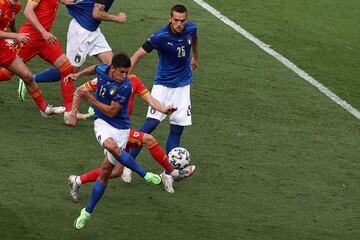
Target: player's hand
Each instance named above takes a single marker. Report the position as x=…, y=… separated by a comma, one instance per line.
x=194, y=63
x=22, y=37
x=170, y=109
x=72, y=119
x=121, y=17
x=50, y=38
x=71, y=77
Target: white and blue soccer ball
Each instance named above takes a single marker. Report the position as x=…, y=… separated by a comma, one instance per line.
x=179, y=158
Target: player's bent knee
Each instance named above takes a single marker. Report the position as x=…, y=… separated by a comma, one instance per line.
x=116, y=172
x=114, y=150
x=147, y=138
x=104, y=178
x=27, y=78
x=105, y=172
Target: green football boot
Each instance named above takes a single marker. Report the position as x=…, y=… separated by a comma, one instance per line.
x=152, y=177
x=22, y=90
x=82, y=219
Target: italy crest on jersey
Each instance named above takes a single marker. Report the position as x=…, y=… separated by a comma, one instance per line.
x=77, y=58
x=189, y=40
x=113, y=90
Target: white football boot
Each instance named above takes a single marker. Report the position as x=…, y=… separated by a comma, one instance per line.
x=74, y=188
x=126, y=175
x=83, y=116
x=66, y=117
x=51, y=110
x=79, y=116
x=168, y=182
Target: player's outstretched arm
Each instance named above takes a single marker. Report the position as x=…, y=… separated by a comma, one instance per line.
x=155, y=104
x=100, y=14
x=31, y=16
x=72, y=119
x=74, y=76
x=90, y=85
x=136, y=57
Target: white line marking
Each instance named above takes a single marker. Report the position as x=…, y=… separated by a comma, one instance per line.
x=281, y=58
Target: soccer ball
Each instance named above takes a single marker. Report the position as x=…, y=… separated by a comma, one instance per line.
x=179, y=158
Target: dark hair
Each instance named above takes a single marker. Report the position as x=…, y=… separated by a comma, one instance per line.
x=120, y=60
x=178, y=8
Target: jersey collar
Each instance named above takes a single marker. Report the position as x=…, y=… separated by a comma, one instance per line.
x=171, y=31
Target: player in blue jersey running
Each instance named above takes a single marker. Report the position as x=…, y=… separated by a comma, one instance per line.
x=173, y=78
x=111, y=124
x=84, y=38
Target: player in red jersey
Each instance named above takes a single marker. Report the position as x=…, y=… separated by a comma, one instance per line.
x=40, y=16
x=136, y=138
x=10, y=60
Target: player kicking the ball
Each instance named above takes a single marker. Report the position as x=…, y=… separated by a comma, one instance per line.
x=136, y=139
x=111, y=125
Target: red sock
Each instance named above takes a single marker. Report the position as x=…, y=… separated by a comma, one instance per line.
x=159, y=155
x=67, y=90
x=5, y=75
x=90, y=176
x=39, y=99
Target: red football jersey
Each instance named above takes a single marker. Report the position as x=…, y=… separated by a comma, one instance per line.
x=46, y=13
x=137, y=88
x=7, y=14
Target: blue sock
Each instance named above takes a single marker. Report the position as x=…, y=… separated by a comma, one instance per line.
x=148, y=126
x=96, y=194
x=129, y=162
x=49, y=75
x=173, y=140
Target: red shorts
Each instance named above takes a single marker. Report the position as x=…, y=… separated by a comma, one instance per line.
x=7, y=54
x=41, y=48
x=135, y=139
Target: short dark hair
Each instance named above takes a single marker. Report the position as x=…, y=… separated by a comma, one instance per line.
x=178, y=8
x=121, y=60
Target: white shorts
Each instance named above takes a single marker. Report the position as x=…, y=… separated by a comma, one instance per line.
x=103, y=131
x=81, y=42
x=178, y=97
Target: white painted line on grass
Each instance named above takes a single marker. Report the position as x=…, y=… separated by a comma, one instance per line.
x=281, y=58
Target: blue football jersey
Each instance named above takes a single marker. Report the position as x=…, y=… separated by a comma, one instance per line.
x=174, y=55
x=82, y=11
x=109, y=90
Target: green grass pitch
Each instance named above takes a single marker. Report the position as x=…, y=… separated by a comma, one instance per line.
x=276, y=159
